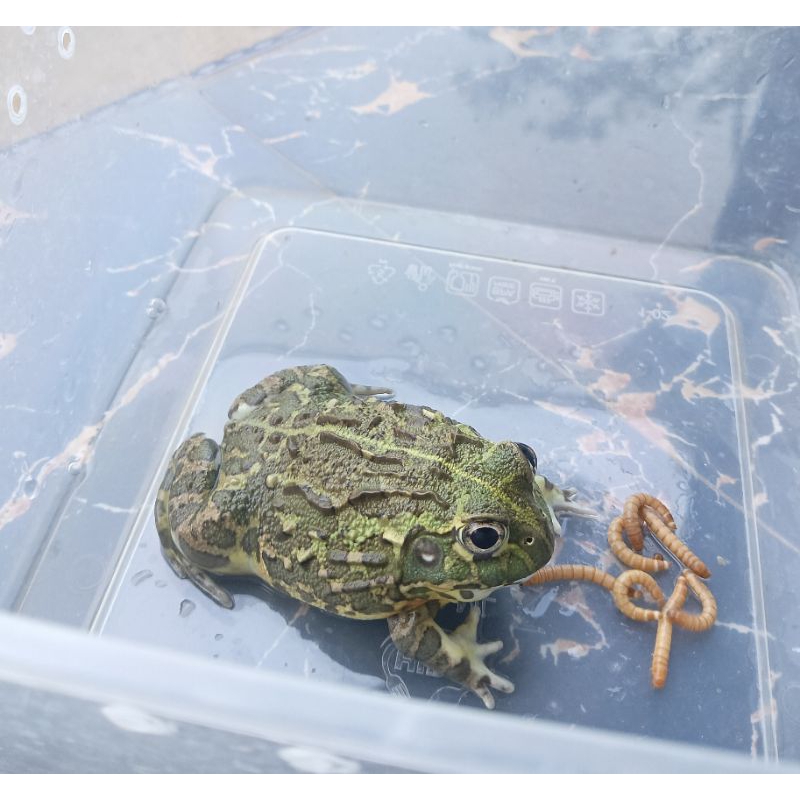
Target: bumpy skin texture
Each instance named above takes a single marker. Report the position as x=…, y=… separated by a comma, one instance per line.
x=359, y=506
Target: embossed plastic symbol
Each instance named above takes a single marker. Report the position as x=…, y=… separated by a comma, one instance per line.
x=463, y=280
x=658, y=313
x=421, y=274
x=545, y=295
x=380, y=271
x=503, y=290
x=587, y=301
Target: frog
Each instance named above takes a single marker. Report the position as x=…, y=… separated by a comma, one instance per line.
x=363, y=506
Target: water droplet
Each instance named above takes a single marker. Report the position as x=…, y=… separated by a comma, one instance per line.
x=217, y=637
x=66, y=42
x=30, y=486
x=70, y=388
x=75, y=466
x=156, y=307
x=187, y=606
x=448, y=333
x=479, y=363
x=28, y=30
x=411, y=346
x=89, y=267
x=281, y=325
x=378, y=322
x=140, y=576
x=17, y=102
x=160, y=584
x=346, y=335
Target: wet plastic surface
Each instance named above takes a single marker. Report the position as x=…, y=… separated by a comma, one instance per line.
x=599, y=374
x=628, y=363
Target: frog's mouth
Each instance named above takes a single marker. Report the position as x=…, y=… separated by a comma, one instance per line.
x=449, y=593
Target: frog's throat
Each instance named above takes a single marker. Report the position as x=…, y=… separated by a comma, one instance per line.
x=560, y=501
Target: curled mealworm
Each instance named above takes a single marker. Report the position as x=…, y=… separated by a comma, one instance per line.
x=632, y=516
x=626, y=555
x=660, y=664
x=622, y=601
x=662, y=532
x=707, y=617
x=572, y=572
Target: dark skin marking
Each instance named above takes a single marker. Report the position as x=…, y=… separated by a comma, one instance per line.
x=203, y=559
x=327, y=437
x=371, y=494
x=332, y=419
x=319, y=501
x=371, y=559
x=462, y=438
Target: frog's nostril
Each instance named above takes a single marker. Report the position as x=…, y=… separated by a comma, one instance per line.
x=529, y=541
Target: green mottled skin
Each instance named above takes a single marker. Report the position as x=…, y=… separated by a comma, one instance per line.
x=331, y=496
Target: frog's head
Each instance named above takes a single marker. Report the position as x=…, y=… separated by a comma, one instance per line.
x=498, y=532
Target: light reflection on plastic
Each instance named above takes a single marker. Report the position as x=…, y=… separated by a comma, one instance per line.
x=17, y=102
x=66, y=42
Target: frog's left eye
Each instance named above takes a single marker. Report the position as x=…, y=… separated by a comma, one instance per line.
x=529, y=454
x=483, y=538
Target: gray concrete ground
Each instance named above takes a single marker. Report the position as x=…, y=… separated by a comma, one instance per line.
x=51, y=75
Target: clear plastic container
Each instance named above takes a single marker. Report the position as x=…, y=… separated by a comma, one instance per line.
x=628, y=367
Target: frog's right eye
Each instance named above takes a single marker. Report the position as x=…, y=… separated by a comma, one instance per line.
x=529, y=454
x=483, y=538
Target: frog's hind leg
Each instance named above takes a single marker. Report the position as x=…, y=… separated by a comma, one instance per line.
x=190, y=477
x=561, y=501
x=457, y=655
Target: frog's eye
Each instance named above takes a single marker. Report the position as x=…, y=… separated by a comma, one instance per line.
x=483, y=538
x=428, y=552
x=529, y=454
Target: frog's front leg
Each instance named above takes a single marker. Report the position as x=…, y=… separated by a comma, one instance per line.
x=182, y=498
x=457, y=655
x=561, y=501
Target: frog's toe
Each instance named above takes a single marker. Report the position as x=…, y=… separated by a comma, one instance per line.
x=361, y=390
x=184, y=568
x=479, y=678
x=208, y=586
x=175, y=562
x=561, y=501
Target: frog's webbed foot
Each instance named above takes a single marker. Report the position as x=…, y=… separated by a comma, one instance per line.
x=191, y=475
x=457, y=655
x=184, y=568
x=561, y=501
x=360, y=390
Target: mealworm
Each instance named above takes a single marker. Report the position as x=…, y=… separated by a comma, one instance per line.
x=660, y=530
x=632, y=516
x=622, y=601
x=696, y=622
x=660, y=664
x=572, y=572
x=626, y=555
